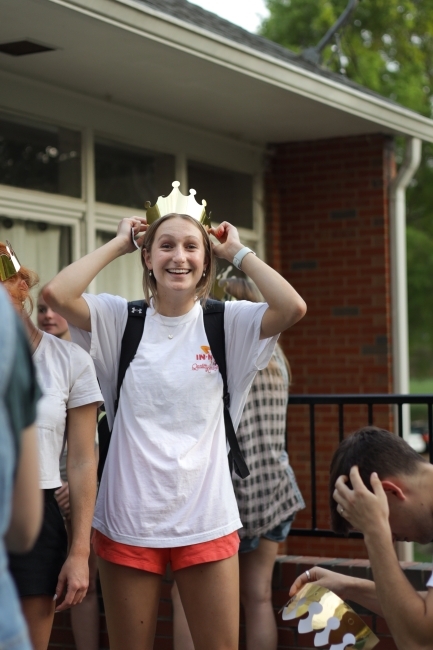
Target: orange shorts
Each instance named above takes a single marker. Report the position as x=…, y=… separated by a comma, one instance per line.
x=155, y=560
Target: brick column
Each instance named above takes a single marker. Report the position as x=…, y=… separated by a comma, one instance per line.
x=327, y=223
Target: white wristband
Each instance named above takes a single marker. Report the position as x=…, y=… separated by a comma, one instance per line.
x=237, y=260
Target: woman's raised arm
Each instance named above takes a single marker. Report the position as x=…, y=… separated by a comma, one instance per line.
x=64, y=292
x=286, y=306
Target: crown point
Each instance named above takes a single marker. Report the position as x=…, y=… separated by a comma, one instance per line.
x=177, y=202
x=204, y=203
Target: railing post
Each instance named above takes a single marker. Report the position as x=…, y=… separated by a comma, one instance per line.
x=313, y=466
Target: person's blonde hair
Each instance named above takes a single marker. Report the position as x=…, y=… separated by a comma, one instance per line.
x=31, y=278
x=205, y=284
x=246, y=289
x=241, y=289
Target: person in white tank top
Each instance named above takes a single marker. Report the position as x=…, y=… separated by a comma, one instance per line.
x=166, y=493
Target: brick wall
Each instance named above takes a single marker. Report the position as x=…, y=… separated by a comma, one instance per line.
x=327, y=232
x=287, y=568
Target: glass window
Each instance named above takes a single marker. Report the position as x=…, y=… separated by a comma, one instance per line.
x=123, y=277
x=130, y=176
x=42, y=247
x=229, y=195
x=40, y=157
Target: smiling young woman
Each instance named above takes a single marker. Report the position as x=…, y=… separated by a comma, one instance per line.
x=166, y=493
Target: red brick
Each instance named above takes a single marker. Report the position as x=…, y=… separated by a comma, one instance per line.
x=286, y=638
x=386, y=643
x=382, y=626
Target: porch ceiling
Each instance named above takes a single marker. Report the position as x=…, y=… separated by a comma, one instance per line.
x=130, y=55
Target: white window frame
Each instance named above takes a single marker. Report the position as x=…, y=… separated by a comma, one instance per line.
x=85, y=216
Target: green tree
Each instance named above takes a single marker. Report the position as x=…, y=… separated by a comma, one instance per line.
x=387, y=46
x=420, y=288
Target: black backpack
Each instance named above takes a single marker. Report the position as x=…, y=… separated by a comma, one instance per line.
x=213, y=317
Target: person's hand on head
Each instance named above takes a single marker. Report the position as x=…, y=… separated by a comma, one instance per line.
x=229, y=242
x=129, y=229
x=363, y=509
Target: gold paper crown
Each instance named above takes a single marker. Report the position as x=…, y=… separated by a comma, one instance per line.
x=9, y=264
x=335, y=623
x=178, y=203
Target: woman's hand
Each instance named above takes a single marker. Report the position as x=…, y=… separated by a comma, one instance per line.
x=229, y=242
x=336, y=582
x=130, y=230
x=73, y=582
x=62, y=498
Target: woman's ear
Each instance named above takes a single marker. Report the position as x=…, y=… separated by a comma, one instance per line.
x=147, y=260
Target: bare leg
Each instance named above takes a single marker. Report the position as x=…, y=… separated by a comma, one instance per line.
x=181, y=635
x=39, y=614
x=210, y=596
x=85, y=616
x=131, y=599
x=255, y=570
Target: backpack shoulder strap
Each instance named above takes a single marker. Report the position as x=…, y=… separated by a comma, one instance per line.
x=213, y=318
x=130, y=340
x=213, y=313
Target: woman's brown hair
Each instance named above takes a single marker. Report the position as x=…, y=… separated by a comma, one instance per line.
x=149, y=283
x=31, y=279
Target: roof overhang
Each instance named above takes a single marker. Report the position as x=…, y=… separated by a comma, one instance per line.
x=134, y=56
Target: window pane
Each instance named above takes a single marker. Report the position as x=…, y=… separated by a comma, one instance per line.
x=40, y=246
x=40, y=157
x=123, y=277
x=129, y=176
x=229, y=195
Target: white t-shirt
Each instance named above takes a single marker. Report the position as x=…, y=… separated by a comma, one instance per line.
x=430, y=581
x=166, y=481
x=67, y=377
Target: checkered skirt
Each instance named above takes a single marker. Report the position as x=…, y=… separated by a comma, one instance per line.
x=270, y=495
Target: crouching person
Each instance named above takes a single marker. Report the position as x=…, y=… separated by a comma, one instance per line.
x=384, y=489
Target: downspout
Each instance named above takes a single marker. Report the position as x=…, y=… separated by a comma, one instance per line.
x=400, y=327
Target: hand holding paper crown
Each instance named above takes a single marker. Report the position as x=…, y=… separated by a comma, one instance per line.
x=336, y=624
x=178, y=203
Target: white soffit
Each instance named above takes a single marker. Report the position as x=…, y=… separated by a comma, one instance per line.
x=131, y=55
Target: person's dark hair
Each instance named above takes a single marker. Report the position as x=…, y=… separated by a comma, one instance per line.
x=372, y=450
x=204, y=286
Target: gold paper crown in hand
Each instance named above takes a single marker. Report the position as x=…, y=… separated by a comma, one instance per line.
x=178, y=203
x=9, y=264
x=334, y=622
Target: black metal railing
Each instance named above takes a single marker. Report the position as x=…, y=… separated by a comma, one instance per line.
x=369, y=401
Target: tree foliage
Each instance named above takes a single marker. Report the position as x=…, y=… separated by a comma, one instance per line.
x=387, y=46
